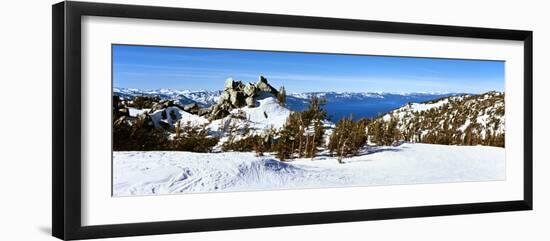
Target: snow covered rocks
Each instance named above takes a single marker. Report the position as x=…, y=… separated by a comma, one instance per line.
x=146, y=121
x=236, y=95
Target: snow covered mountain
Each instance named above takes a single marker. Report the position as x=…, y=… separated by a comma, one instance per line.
x=204, y=98
x=339, y=104
x=461, y=120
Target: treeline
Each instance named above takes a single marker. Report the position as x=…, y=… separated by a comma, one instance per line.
x=387, y=133
x=140, y=134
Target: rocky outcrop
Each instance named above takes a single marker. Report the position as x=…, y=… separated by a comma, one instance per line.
x=192, y=108
x=237, y=95
x=119, y=109
x=204, y=111
x=263, y=86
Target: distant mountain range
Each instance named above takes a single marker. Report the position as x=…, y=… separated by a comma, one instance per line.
x=204, y=98
x=339, y=104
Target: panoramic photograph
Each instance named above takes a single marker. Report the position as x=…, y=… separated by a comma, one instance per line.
x=202, y=120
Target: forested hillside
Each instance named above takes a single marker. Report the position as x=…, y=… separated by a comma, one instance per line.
x=456, y=120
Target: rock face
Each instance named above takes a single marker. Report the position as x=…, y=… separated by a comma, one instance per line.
x=263, y=86
x=236, y=95
x=192, y=108
x=119, y=109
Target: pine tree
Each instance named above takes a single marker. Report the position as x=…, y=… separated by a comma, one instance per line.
x=359, y=135
x=303, y=131
x=317, y=139
x=375, y=130
x=231, y=129
x=178, y=129
x=391, y=132
x=300, y=134
x=192, y=138
x=286, y=143
x=313, y=117
x=347, y=137
x=281, y=97
x=315, y=110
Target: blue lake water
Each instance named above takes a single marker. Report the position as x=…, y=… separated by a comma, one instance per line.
x=360, y=105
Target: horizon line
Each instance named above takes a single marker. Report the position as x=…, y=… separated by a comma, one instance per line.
x=312, y=92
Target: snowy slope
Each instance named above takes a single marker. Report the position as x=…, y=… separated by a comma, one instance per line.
x=417, y=108
x=481, y=114
x=144, y=173
x=268, y=113
x=134, y=112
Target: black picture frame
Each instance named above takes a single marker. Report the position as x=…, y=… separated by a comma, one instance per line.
x=66, y=127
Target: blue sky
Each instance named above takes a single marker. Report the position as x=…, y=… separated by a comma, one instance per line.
x=147, y=67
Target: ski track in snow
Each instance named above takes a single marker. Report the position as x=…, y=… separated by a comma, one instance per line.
x=147, y=173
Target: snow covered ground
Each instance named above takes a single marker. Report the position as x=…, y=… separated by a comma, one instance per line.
x=146, y=173
x=268, y=113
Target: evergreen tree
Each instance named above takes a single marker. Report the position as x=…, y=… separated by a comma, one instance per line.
x=376, y=132
x=316, y=139
x=347, y=137
x=359, y=135
x=281, y=97
x=313, y=117
x=302, y=132
x=192, y=138
x=390, y=131
x=315, y=110
x=286, y=142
